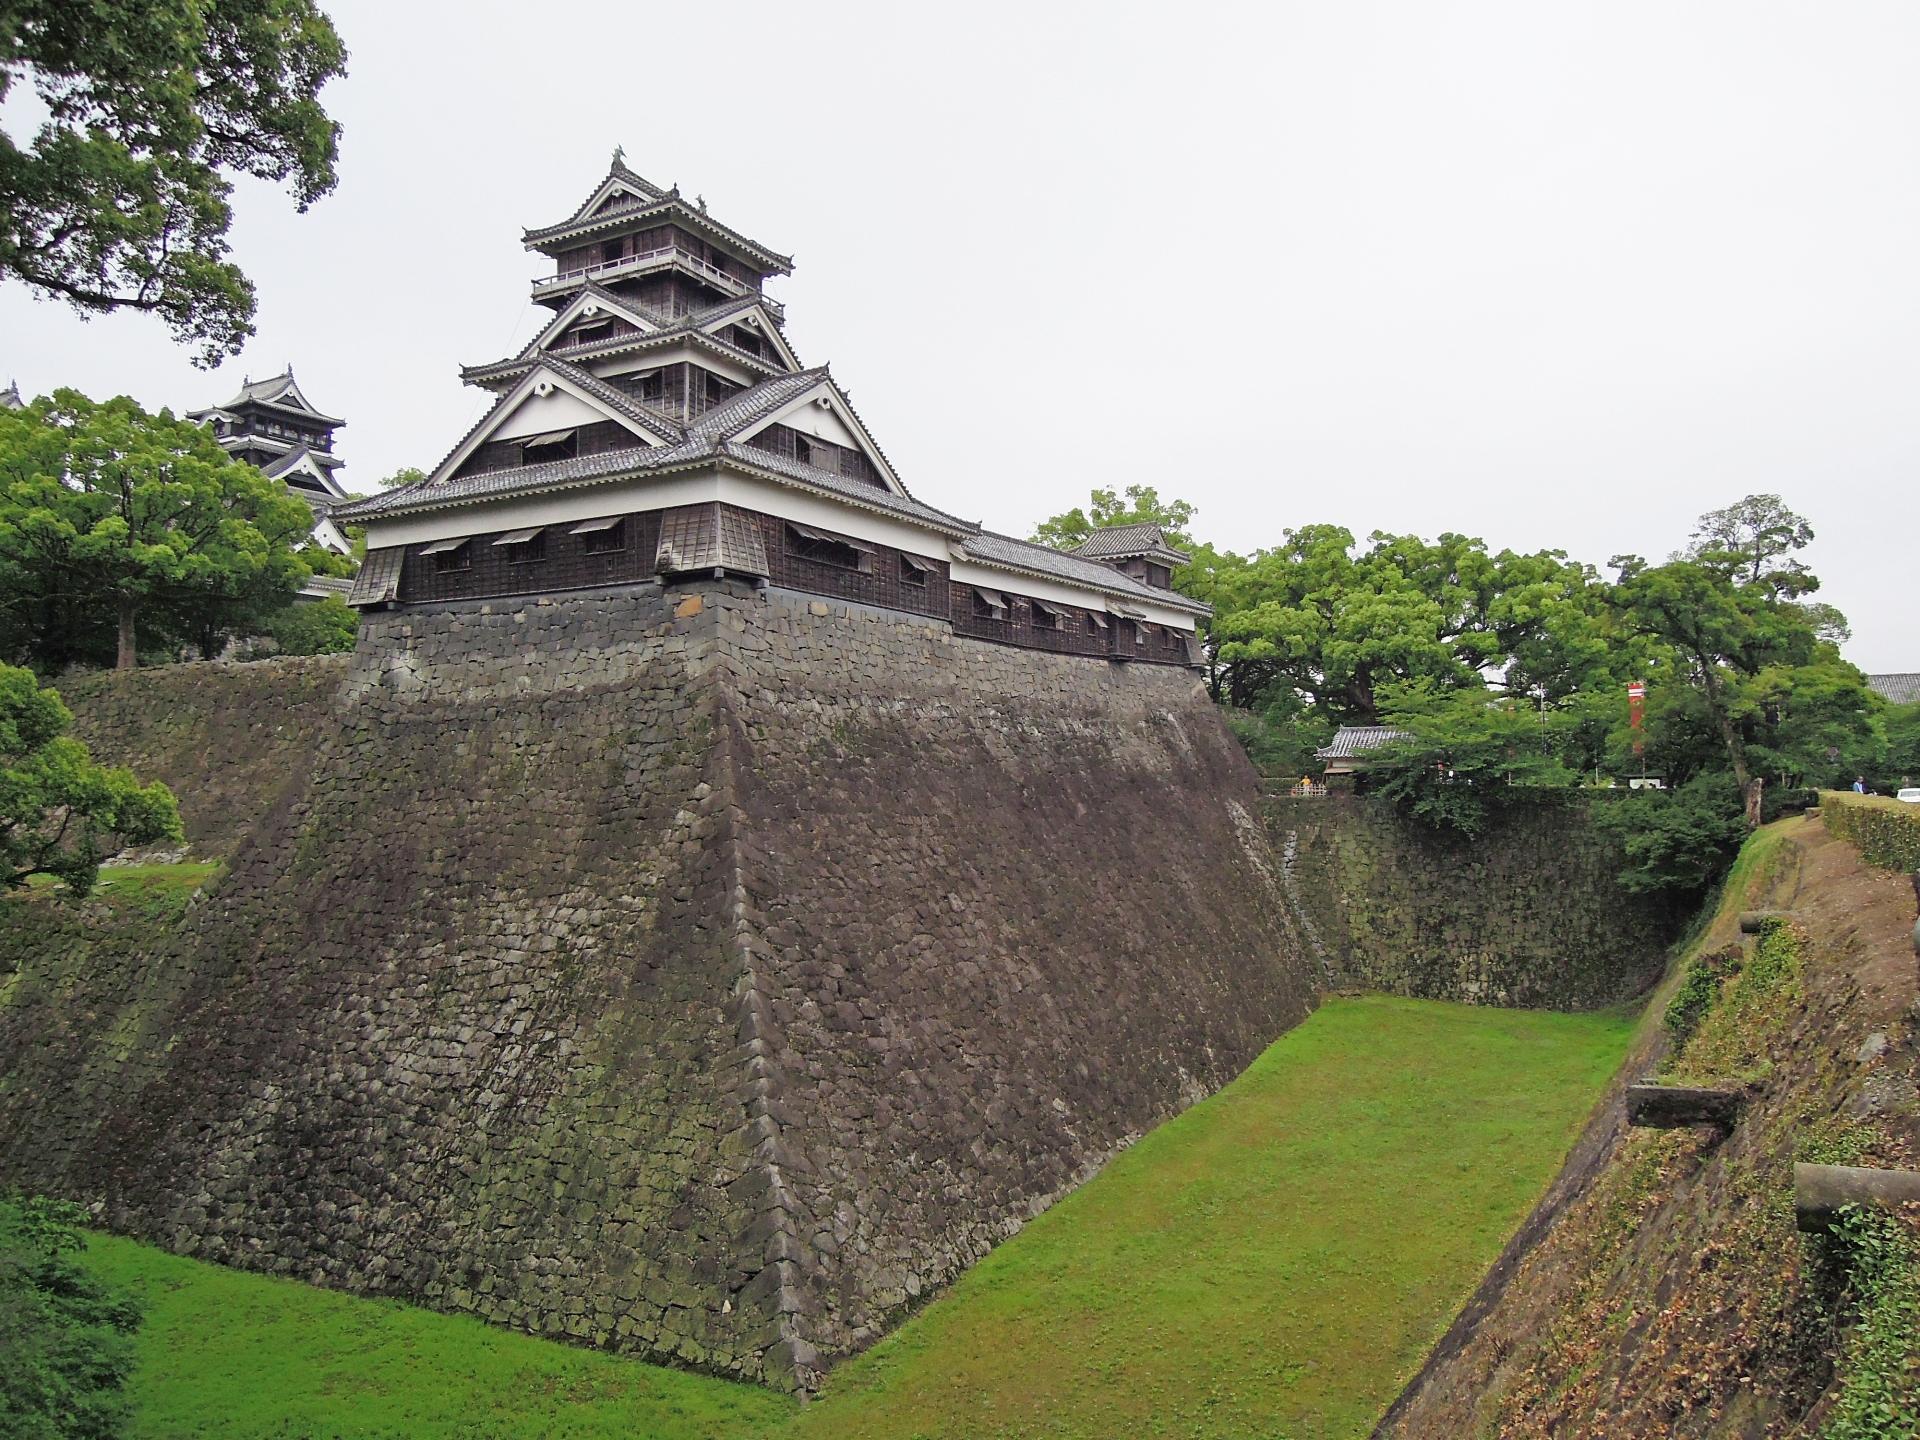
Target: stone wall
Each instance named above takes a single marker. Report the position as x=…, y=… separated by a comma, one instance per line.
x=704, y=974
x=231, y=740
x=1530, y=913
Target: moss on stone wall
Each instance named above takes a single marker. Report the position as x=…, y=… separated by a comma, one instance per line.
x=230, y=740
x=705, y=975
x=1529, y=913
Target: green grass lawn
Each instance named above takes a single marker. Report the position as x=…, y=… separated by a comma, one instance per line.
x=1275, y=1263
x=226, y=1354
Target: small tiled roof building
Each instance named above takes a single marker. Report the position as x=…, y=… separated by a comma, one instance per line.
x=1897, y=689
x=1346, y=753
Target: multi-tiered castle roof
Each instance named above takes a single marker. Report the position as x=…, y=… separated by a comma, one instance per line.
x=270, y=424
x=660, y=425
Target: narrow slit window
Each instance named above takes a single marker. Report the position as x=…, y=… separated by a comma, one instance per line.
x=553, y=445
x=603, y=537
x=523, y=547
x=448, y=556
x=807, y=544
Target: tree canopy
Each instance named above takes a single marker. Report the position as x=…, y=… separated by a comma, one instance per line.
x=57, y=806
x=121, y=198
x=1139, y=504
x=67, y=1337
x=1508, y=671
x=120, y=529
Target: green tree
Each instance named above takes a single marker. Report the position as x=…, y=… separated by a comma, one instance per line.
x=1139, y=504
x=1754, y=542
x=1678, y=841
x=66, y=1337
x=56, y=804
x=1758, y=670
x=112, y=520
x=1335, y=626
x=121, y=199
x=318, y=627
x=1900, y=759
x=1464, y=753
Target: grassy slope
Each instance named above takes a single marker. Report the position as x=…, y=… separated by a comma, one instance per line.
x=1276, y=1261
x=1273, y=1262
x=229, y=1354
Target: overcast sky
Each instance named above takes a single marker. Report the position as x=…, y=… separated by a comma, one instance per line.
x=1559, y=275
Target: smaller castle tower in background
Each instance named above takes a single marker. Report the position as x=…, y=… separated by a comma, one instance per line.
x=272, y=425
x=10, y=397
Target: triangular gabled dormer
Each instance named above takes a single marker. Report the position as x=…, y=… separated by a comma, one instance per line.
x=307, y=473
x=622, y=189
x=592, y=317
x=817, y=427
x=749, y=324
x=555, y=411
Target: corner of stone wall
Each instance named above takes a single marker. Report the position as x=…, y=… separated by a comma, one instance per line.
x=772, y=1238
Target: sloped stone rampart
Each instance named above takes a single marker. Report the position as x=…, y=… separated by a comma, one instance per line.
x=231, y=740
x=704, y=974
x=1529, y=913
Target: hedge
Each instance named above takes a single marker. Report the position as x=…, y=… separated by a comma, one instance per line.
x=1885, y=832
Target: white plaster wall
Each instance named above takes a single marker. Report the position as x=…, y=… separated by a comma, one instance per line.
x=538, y=413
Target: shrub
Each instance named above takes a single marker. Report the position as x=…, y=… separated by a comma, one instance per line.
x=1699, y=988
x=1885, y=832
x=1879, y=1365
x=319, y=627
x=66, y=1337
x=1679, y=841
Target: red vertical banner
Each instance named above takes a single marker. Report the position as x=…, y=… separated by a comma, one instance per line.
x=1637, y=714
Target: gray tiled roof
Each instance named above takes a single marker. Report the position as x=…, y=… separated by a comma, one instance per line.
x=268, y=392
x=687, y=325
x=1896, y=689
x=1119, y=542
x=611, y=465
x=1351, y=740
x=659, y=201
x=992, y=549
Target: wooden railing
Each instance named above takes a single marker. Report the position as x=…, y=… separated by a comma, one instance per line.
x=665, y=254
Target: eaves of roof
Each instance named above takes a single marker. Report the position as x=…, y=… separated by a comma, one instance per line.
x=1023, y=556
x=514, y=368
x=772, y=261
x=612, y=466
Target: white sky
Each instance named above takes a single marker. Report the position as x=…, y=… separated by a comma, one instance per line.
x=1555, y=274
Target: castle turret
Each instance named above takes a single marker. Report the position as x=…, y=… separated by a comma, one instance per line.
x=1141, y=551
x=270, y=424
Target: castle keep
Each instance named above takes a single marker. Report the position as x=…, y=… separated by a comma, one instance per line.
x=727, y=896
x=660, y=427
